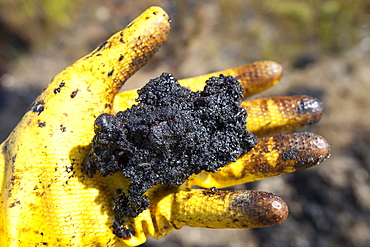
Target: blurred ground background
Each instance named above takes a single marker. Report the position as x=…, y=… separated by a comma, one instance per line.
x=324, y=47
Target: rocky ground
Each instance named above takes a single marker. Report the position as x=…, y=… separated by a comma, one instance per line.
x=329, y=204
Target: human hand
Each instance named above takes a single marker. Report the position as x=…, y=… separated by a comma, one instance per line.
x=46, y=199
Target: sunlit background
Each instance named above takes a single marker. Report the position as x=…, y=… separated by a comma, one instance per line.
x=324, y=47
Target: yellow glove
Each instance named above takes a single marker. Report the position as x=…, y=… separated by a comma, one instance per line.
x=46, y=199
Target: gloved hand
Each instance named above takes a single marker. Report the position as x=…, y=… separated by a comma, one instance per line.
x=46, y=199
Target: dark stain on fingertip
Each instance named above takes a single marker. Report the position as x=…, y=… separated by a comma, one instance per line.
x=266, y=208
x=309, y=105
x=290, y=154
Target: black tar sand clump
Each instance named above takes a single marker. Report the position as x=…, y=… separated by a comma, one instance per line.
x=171, y=134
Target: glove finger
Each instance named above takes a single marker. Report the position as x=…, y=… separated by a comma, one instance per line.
x=271, y=156
x=222, y=209
x=271, y=116
x=254, y=77
x=101, y=73
x=172, y=208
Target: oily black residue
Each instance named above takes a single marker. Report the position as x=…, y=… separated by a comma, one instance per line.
x=59, y=89
x=38, y=107
x=171, y=134
x=74, y=93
